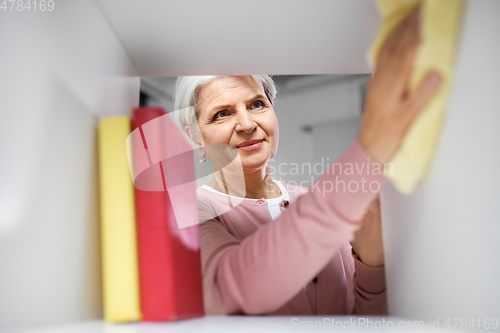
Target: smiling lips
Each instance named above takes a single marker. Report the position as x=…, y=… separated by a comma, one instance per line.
x=250, y=145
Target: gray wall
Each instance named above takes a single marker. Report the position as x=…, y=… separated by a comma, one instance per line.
x=61, y=70
x=441, y=242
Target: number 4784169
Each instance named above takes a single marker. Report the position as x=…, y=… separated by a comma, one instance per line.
x=27, y=5
x=464, y=323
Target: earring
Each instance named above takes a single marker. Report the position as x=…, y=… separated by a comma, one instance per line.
x=203, y=159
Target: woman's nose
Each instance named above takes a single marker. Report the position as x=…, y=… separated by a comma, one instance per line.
x=245, y=122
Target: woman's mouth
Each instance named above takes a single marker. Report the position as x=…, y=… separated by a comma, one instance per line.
x=250, y=145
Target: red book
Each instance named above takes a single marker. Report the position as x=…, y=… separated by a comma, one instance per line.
x=170, y=280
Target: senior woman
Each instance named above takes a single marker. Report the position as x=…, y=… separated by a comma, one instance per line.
x=284, y=249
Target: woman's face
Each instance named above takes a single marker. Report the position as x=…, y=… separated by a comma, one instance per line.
x=235, y=112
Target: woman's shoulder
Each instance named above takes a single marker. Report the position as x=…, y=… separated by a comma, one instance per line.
x=203, y=194
x=208, y=199
x=213, y=204
x=208, y=205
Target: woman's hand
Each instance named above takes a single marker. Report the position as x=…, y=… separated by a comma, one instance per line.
x=390, y=109
x=367, y=242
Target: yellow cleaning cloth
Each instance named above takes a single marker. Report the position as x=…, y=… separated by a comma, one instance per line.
x=440, y=25
x=118, y=230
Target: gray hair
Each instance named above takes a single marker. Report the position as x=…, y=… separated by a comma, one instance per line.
x=188, y=87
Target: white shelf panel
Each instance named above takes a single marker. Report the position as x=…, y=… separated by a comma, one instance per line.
x=248, y=324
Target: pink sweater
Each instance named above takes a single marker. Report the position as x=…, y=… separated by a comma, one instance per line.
x=254, y=265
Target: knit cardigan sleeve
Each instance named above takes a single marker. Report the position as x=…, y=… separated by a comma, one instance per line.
x=260, y=273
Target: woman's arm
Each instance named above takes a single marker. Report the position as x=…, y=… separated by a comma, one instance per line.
x=369, y=271
x=264, y=271
x=369, y=289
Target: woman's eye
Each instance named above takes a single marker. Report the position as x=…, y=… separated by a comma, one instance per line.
x=221, y=114
x=257, y=104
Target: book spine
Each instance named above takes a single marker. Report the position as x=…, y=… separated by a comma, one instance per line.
x=118, y=227
x=154, y=244
x=170, y=273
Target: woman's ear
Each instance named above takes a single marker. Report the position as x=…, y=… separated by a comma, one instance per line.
x=196, y=139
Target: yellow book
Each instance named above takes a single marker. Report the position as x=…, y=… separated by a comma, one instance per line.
x=439, y=30
x=118, y=228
